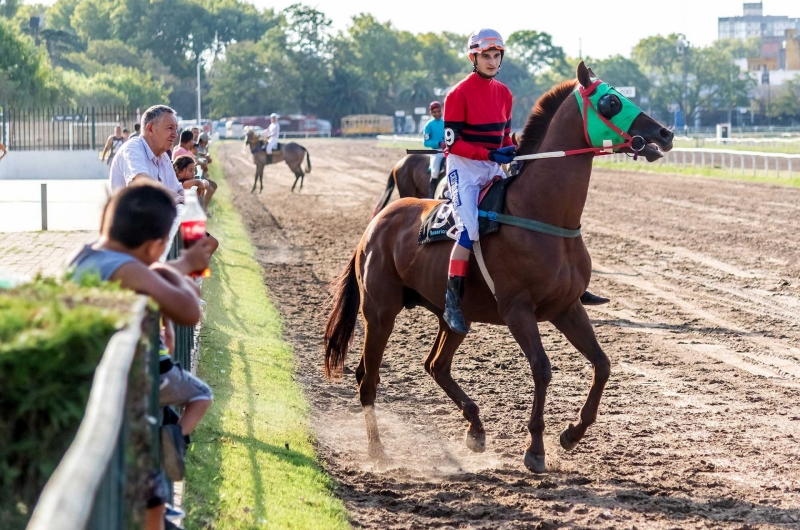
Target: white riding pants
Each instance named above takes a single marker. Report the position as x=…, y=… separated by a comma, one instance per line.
x=436, y=164
x=466, y=178
x=271, y=145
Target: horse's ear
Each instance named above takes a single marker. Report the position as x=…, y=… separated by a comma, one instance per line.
x=584, y=76
x=591, y=73
x=515, y=139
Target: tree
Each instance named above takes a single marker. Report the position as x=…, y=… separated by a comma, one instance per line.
x=8, y=8
x=696, y=79
x=350, y=93
x=308, y=40
x=255, y=78
x=536, y=51
x=26, y=78
x=785, y=104
x=620, y=71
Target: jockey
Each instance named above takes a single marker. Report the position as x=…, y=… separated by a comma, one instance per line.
x=433, y=138
x=272, y=133
x=477, y=120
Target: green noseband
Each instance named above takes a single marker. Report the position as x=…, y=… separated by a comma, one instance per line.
x=597, y=129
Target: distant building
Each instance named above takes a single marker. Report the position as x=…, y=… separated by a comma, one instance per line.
x=753, y=23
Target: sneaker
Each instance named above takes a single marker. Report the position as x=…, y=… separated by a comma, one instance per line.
x=173, y=452
x=172, y=513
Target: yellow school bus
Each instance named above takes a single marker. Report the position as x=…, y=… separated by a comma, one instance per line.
x=357, y=124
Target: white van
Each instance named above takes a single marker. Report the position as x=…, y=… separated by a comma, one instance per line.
x=234, y=129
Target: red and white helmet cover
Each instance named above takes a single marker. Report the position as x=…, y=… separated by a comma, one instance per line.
x=485, y=39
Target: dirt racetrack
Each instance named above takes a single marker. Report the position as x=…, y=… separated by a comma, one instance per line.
x=699, y=426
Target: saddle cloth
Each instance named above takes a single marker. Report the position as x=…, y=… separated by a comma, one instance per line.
x=439, y=224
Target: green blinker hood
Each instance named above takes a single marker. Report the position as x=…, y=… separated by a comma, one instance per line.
x=597, y=129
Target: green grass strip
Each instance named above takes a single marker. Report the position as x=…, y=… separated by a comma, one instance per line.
x=240, y=473
x=725, y=174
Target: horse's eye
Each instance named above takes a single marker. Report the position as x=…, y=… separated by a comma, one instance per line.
x=609, y=106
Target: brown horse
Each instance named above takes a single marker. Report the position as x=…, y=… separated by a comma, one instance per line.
x=412, y=177
x=538, y=277
x=292, y=153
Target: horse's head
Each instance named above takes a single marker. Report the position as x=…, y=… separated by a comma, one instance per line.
x=611, y=119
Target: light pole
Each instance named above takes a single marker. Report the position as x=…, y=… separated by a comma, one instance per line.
x=681, y=48
x=198, y=91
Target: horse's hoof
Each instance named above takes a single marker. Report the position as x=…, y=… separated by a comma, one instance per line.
x=535, y=463
x=566, y=440
x=476, y=441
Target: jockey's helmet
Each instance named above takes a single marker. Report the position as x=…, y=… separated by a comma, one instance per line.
x=274, y=115
x=485, y=39
x=435, y=105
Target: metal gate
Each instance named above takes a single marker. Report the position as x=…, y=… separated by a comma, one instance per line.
x=62, y=128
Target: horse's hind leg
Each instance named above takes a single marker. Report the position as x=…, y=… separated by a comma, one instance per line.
x=379, y=318
x=438, y=365
x=575, y=325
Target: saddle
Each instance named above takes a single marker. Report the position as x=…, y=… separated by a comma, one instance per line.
x=439, y=224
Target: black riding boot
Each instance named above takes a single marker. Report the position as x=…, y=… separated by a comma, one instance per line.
x=269, y=158
x=452, y=305
x=432, y=192
x=588, y=298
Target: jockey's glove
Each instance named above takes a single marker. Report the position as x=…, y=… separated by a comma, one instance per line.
x=504, y=155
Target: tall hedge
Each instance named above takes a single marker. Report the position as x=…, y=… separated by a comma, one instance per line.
x=51, y=339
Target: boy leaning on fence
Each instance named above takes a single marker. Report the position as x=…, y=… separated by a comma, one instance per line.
x=134, y=235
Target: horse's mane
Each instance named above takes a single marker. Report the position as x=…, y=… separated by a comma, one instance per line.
x=542, y=114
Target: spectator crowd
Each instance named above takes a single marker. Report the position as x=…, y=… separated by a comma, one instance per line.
x=149, y=178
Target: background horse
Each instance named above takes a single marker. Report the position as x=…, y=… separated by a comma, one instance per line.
x=412, y=177
x=292, y=153
x=537, y=276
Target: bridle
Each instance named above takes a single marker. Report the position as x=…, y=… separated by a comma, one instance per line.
x=635, y=143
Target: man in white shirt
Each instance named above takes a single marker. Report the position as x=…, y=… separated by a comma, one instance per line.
x=146, y=156
x=272, y=133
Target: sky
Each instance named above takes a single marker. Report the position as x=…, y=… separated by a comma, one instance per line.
x=598, y=28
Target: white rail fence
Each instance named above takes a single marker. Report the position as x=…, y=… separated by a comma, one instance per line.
x=755, y=163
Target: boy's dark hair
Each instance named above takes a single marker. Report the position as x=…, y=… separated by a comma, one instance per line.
x=186, y=136
x=137, y=127
x=182, y=162
x=141, y=212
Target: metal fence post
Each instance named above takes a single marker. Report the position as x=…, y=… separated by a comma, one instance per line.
x=94, y=147
x=44, y=206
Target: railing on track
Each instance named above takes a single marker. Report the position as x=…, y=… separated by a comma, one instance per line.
x=751, y=163
x=88, y=488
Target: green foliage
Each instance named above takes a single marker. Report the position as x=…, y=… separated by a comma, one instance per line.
x=25, y=75
x=785, y=102
x=699, y=79
x=254, y=78
x=51, y=339
x=117, y=85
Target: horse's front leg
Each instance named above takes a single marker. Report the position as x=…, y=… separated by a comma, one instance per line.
x=521, y=320
x=575, y=325
x=255, y=181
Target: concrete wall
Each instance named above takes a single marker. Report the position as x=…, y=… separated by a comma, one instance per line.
x=52, y=165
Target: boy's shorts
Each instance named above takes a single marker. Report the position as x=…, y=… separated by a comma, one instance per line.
x=466, y=178
x=179, y=387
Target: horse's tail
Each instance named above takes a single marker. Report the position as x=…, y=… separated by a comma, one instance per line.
x=308, y=160
x=387, y=194
x=345, y=304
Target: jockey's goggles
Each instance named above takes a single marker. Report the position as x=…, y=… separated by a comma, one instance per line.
x=486, y=44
